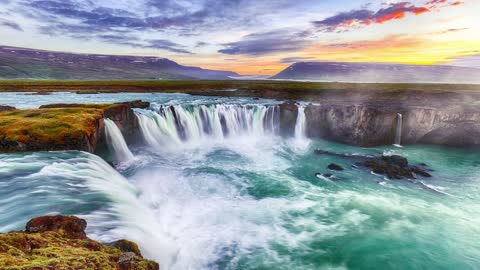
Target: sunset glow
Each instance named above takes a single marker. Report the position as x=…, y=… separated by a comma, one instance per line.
x=249, y=37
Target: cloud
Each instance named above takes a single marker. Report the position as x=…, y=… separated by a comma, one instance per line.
x=266, y=43
x=10, y=24
x=359, y=18
x=289, y=60
x=201, y=44
x=451, y=30
x=467, y=61
x=144, y=43
x=392, y=42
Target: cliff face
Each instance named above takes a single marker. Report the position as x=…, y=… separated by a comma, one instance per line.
x=58, y=127
x=60, y=242
x=367, y=125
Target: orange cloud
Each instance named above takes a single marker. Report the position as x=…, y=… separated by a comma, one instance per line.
x=363, y=17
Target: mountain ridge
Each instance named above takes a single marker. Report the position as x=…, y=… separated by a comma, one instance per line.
x=26, y=63
x=377, y=72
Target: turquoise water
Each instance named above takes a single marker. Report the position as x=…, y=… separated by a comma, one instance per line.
x=252, y=200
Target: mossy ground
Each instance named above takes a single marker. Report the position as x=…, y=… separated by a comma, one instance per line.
x=52, y=250
x=50, y=126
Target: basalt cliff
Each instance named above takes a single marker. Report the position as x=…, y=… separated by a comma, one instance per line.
x=361, y=118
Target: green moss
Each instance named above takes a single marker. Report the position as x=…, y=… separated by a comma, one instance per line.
x=51, y=126
x=52, y=250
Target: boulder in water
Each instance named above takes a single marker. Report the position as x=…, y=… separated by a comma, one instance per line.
x=394, y=167
x=335, y=167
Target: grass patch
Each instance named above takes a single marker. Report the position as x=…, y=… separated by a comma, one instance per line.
x=57, y=126
x=202, y=85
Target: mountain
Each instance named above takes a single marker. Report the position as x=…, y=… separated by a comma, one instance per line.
x=376, y=72
x=23, y=63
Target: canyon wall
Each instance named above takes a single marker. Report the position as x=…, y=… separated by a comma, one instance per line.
x=369, y=125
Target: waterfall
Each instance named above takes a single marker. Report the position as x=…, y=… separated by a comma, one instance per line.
x=398, y=131
x=179, y=124
x=300, y=141
x=301, y=126
x=116, y=143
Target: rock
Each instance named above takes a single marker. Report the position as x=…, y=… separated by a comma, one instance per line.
x=394, y=167
x=328, y=175
x=128, y=246
x=396, y=160
x=127, y=261
x=288, y=118
x=421, y=171
x=71, y=226
x=39, y=94
x=138, y=104
x=335, y=167
x=47, y=244
x=4, y=108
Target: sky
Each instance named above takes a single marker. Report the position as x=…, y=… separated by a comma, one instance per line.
x=258, y=37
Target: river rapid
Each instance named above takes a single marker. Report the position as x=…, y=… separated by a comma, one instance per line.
x=225, y=191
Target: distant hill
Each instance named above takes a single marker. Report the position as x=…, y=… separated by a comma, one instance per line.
x=22, y=63
x=376, y=72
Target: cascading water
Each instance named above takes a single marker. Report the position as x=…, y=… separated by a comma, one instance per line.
x=116, y=143
x=398, y=131
x=300, y=141
x=252, y=202
x=175, y=125
x=300, y=125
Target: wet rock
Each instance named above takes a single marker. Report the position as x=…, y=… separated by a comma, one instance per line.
x=39, y=94
x=71, y=226
x=128, y=246
x=328, y=175
x=335, y=167
x=288, y=118
x=421, y=172
x=394, y=167
x=127, y=261
x=87, y=92
x=139, y=104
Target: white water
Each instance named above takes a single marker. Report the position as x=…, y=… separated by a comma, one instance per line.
x=300, y=141
x=116, y=142
x=398, y=131
x=171, y=126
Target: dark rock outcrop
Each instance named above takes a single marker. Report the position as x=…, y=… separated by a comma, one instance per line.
x=335, y=167
x=6, y=108
x=73, y=227
x=288, y=118
x=394, y=167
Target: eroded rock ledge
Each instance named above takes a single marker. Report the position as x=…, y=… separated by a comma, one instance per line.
x=60, y=242
x=57, y=127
